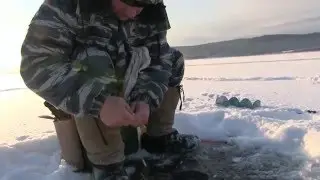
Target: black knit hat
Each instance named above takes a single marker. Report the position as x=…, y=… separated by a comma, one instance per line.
x=142, y=3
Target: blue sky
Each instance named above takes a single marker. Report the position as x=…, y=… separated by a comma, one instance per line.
x=192, y=21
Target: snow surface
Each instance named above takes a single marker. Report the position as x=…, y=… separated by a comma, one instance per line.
x=279, y=133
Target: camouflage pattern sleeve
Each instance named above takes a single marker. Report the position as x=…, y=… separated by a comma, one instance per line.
x=153, y=81
x=48, y=69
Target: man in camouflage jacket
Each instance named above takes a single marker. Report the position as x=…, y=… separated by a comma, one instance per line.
x=75, y=56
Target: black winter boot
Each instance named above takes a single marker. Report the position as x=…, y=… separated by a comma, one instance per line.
x=109, y=172
x=172, y=143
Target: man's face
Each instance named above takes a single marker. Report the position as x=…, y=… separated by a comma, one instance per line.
x=124, y=11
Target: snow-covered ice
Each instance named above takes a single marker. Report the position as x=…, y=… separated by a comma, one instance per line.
x=278, y=140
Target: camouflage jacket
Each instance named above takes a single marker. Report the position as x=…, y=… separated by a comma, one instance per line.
x=75, y=62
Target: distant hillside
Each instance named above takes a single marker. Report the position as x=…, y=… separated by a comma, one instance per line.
x=267, y=44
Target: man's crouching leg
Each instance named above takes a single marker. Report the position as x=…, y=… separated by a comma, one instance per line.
x=68, y=138
x=90, y=146
x=161, y=137
x=104, y=147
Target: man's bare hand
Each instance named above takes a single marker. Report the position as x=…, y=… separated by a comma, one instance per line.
x=116, y=112
x=141, y=112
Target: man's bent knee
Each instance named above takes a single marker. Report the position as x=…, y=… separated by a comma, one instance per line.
x=103, y=145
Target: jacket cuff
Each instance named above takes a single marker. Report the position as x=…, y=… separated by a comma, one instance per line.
x=98, y=102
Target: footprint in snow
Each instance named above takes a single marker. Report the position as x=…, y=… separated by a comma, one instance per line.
x=226, y=93
x=22, y=138
x=204, y=94
x=49, y=132
x=189, y=99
